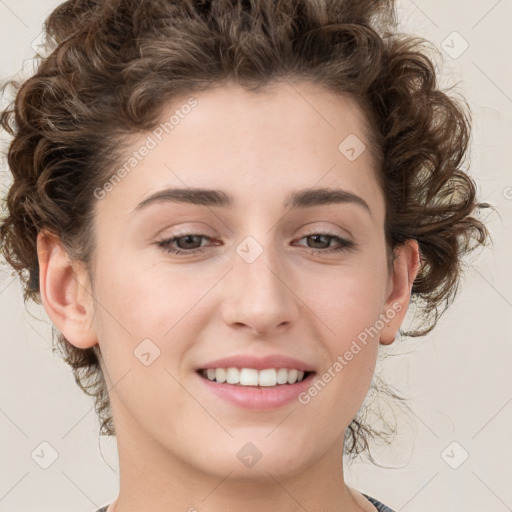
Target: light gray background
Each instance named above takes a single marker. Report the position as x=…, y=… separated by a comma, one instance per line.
x=458, y=378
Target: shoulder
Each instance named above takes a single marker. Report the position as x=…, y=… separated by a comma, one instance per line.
x=368, y=503
x=380, y=506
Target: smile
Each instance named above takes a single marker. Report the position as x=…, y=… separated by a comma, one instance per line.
x=251, y=377
x=273, y=392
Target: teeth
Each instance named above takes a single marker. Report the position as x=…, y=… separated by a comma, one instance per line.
x=268, y=377
x=232, y=375
x=251, y=377
x=248, y=377
x=292, y=376
x=282, y=375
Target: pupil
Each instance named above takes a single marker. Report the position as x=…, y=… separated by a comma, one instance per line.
x=187, y=240
x=316, y=237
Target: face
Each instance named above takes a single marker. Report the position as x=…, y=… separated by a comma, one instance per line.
x=257, y=276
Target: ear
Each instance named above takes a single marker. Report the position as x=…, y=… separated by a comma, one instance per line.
x=65, y=292
x=405, y=269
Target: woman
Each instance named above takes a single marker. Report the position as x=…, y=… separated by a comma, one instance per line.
x=225, y=207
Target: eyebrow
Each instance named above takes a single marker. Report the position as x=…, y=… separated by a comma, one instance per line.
x=207, y=197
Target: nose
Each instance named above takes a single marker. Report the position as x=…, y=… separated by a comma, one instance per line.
x=256, y=294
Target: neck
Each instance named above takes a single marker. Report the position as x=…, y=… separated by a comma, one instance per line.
x=152, y=478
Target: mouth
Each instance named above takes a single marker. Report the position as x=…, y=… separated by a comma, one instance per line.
x=252, y=378
x=257, y=390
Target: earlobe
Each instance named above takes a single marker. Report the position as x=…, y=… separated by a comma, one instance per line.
x=405, y=269
x=64, y=292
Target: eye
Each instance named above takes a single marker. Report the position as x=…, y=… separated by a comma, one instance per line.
x=184, y=241
x=343, y=244
x=190, y=243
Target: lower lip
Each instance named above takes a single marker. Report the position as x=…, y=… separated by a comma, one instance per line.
x=258, y=398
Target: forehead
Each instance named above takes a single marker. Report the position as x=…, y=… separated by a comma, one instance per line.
x=294, y=110
x=254, y=145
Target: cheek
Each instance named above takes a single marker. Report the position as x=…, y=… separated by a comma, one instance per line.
x=349, y=298
x=142, y=300
x=348, y=302
x=140, y=321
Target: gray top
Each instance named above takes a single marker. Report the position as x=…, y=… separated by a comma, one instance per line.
x=380, y=506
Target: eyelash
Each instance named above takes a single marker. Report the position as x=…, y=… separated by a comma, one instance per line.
x=166, y=244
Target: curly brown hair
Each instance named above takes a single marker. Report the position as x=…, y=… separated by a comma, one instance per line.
x=112, y=65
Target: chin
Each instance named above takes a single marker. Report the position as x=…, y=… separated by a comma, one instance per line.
x=246, y=459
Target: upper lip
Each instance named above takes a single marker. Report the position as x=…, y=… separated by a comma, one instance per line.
x=258, y=363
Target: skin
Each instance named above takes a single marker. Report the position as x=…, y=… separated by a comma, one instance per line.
x=177, y=442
